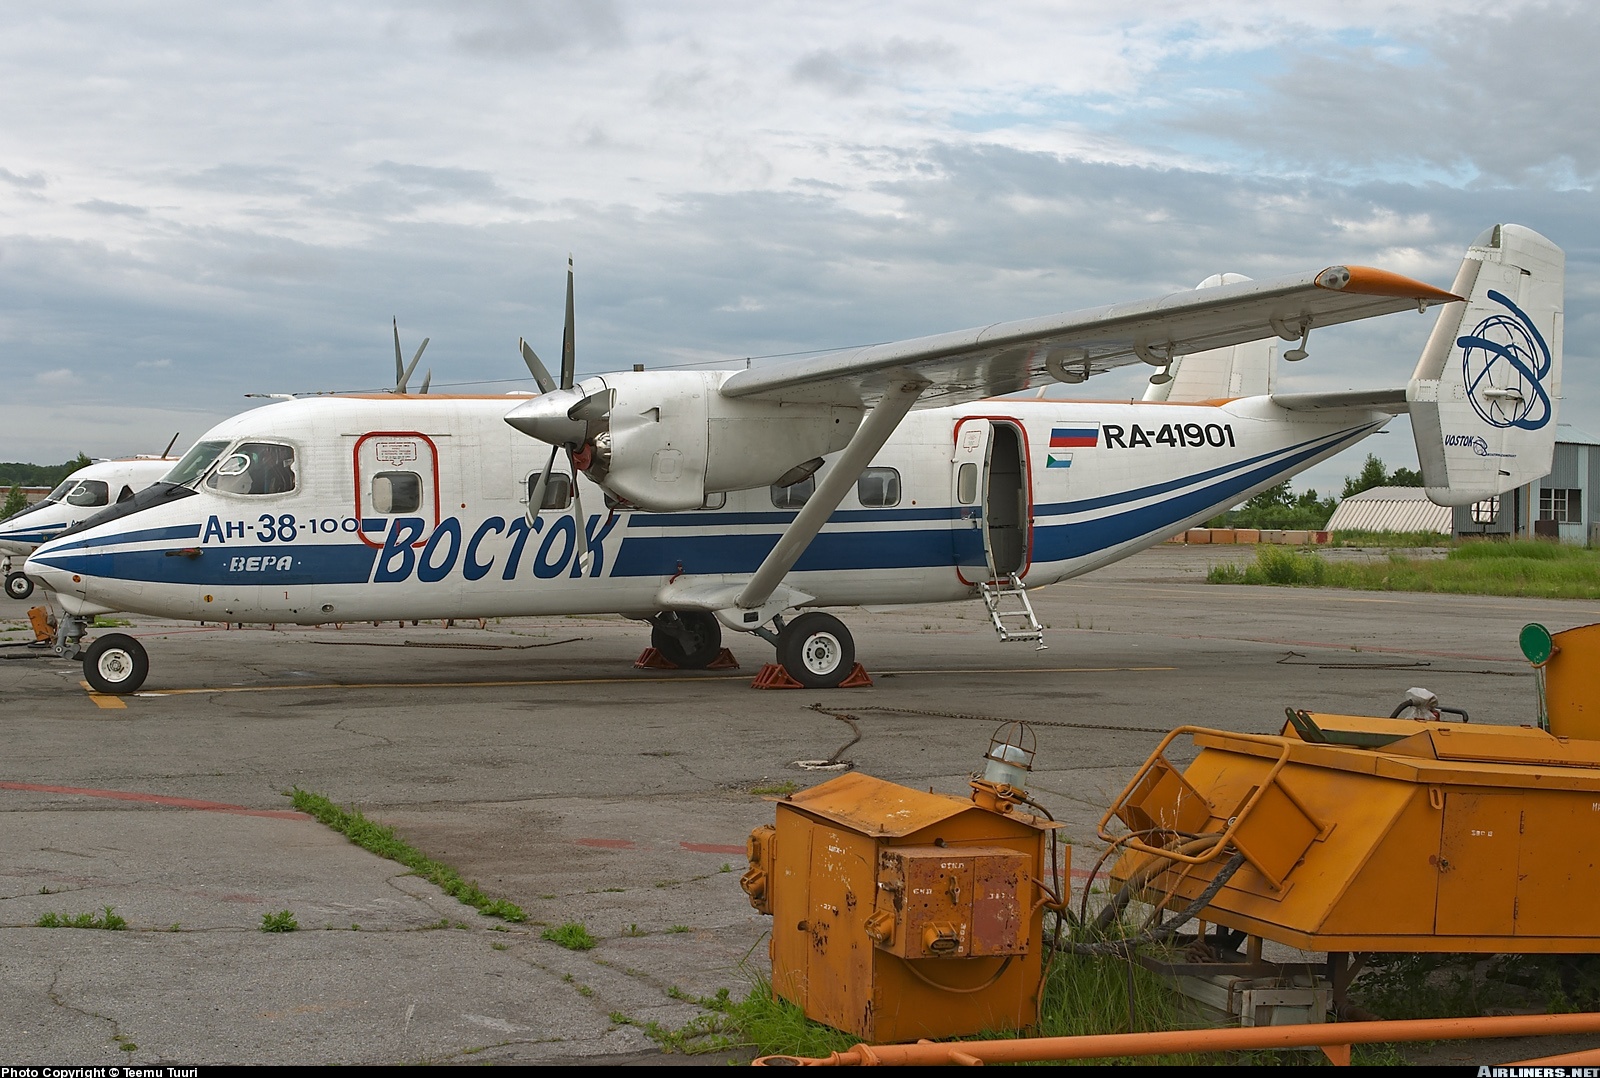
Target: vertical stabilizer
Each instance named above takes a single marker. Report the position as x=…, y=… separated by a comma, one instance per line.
x=1242, y=370
x=1483, y=397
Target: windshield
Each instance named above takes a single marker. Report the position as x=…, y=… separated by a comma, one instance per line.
x=61, y=492
x=194, y=463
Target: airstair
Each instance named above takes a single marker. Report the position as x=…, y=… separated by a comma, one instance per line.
x=1011, y=612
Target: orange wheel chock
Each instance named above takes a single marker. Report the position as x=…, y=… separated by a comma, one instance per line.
x=774, y=676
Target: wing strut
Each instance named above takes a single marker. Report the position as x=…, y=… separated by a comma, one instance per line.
x=874, y=431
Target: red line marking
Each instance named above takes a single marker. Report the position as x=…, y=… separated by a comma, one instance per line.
x=158, y=799
x=607, y=843
x=708, y=847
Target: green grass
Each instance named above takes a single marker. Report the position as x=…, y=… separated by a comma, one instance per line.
x=1534, y=568
x=572, y=935
x=1353, y=537
x=106, y=920
x=282, y=921
x=779, y=789
x=385, y=843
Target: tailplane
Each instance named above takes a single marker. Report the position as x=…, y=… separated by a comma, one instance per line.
x=1483, y=397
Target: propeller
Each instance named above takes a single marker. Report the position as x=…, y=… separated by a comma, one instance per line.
x=402, y=370
x=565, y=428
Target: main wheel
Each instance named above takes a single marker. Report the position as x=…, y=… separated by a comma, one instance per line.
x=817, y=650
x=115, y=664
x=689, y=639
x=18, y=586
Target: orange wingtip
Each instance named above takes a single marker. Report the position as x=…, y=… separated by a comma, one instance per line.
x=1366, y=281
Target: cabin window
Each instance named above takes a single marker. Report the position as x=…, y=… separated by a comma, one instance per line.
x=878, y=487
x=396, y=492
x=557, y=492
x=255, y=468
x=794, y=495
x=967, y=484
x=88, y=493
x=200, y=456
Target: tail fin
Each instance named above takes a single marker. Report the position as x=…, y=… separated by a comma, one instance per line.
x=1483, y=396
x=1241, y=370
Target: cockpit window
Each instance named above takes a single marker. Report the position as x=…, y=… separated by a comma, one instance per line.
x=255, y=468
x=61, y=491
x=88, y=493
x=194, y=463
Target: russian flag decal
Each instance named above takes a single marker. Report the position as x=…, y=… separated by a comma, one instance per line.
x=1075, y=437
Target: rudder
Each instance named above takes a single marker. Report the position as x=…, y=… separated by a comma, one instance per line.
x=1483, y=397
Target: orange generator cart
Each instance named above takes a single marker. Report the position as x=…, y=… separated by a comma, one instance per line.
x=898, y=914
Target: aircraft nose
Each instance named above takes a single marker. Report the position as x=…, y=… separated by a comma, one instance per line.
x=545, y=417
x=51, y=576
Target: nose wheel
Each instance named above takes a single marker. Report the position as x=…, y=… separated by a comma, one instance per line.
x=18, y=586
x=816, y=650
x=115, y=664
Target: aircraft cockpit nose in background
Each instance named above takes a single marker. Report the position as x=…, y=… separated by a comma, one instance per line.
x=89, y=491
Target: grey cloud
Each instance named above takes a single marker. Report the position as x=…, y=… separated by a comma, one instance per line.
x=512, y=28
x=32, y=181
x=1504, y=100
x=122, y=209
x=849, y=70
x=246, y=179
x=978, y=235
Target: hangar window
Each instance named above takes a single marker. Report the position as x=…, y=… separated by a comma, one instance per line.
x=878, y=487
x=557, y=492
x=794, y=495
x=1561, y=506
x=1487, y=511
x=396, y=492
x=255, y=468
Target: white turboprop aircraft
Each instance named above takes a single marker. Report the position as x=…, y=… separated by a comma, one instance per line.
x=79, y=496
x=748, y=499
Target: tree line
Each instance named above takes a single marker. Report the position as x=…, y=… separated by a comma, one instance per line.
x=1279, y=507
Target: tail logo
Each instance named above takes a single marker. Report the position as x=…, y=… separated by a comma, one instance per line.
x=1504, y=363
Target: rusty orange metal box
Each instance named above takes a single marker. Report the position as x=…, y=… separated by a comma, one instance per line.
x=868, y=884
x=940, y=902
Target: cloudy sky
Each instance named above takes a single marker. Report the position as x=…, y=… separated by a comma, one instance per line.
x=199, y=201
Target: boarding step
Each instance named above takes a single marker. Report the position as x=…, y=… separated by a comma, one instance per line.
x=1010, y=611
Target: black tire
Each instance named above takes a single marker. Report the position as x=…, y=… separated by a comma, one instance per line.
x=18, y=586
x=693, y=643
x=817, y=650
x=115, y=664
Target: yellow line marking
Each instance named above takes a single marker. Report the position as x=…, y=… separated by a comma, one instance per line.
x=102, y=699
x=522, y=683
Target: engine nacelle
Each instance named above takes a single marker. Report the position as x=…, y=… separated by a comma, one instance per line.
x=674, y=438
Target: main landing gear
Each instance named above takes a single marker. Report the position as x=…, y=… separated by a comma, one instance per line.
x=815, y=649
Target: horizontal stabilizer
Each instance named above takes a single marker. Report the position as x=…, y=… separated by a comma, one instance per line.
x=1392, y=401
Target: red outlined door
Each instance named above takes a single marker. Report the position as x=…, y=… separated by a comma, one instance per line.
x=991, y=487
x=397, y=475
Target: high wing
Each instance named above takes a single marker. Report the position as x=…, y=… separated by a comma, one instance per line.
x=1007, y=357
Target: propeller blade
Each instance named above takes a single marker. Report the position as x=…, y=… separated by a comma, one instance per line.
x=568, y=356
x=399, y=362
x=426, y=378
x=536, y=496
x=581, y=538
x=170, y=444
x=594, y=406
x=535, y=367
x=400, y=386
